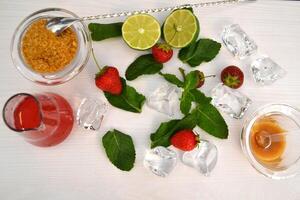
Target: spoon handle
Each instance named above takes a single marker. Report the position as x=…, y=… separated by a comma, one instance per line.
x=156, y=10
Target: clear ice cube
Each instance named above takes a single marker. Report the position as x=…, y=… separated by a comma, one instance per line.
x=160, y=160
x=265, y=71
x=203, y=158
x=91, y=113
x=165, y=99
x=237, y=41
x=230, y=101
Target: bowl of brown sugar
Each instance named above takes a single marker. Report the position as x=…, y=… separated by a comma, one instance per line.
x=46, y=58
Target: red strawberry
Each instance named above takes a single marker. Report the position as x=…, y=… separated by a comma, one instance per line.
x=162, y=52
x=202, y=78
x=108, y=80
x=232, y=76
x=185, y=140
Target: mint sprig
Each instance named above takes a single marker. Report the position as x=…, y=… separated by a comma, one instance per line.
x=206, y=116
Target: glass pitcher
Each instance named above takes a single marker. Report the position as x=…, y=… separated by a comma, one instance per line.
x=44, y=119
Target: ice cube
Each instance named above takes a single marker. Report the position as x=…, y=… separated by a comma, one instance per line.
x=265, y=71
x=90, y=113
x=165, y=99
x=203, y=158
x=230, y=101
x=160, y=160
x=237, y=41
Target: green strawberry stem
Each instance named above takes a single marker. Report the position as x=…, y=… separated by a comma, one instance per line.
x=95, y=60
x=208, y=76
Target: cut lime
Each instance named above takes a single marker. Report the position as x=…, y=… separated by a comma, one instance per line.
x=181, y=28
x=141, y=31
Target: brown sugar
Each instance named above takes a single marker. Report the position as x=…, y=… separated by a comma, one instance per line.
x=45, y=52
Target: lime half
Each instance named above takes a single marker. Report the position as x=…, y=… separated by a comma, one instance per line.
x=181, y=28
x=141, y=31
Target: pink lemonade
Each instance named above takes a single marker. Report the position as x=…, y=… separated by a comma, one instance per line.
x=44, y=119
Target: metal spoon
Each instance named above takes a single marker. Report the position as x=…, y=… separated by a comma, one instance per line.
x=58, y=24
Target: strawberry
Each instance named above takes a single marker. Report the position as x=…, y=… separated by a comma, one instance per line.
x=108, y=80
x=232, y=76
x=162, y=52
x=185, y=140
x=202, y=78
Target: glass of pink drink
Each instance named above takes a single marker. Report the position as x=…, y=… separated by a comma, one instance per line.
x=42, y=119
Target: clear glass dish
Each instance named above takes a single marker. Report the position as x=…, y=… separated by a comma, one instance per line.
x=288, y=163
x=68, y=72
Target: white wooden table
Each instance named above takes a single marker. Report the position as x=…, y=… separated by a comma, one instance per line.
x=79, y=169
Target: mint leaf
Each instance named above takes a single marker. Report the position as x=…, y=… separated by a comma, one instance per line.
x=144, y=64
x=162, y=135
x=207, y=50
x=199, y=97
x=210, y=120
x=186, y=102
x=171, y=78
x=191, y=80
x=103, y=31
x=189, y=96
x=188, y=52
x=129, y=100
x=119, y=149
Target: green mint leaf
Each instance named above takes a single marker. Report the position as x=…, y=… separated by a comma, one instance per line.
x=119, y=149
x=129, y=100
x=186, y=53
x=144, y=64
x=171, y=78
x=199, y=97
x=162, y=135
x=186, y=102
x=189, y=96
x=104, y=31
x=191, y=80
x=210, y=120
x=207, y=50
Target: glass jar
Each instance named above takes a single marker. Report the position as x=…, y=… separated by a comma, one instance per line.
x=69, y=71
x=270, y=140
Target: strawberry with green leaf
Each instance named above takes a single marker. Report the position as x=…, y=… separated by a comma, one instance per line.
x=162, y=52
x=185, y=140
x=108, y=79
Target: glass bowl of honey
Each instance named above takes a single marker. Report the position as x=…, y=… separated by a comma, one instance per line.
x=46, y=58
x=271, y=140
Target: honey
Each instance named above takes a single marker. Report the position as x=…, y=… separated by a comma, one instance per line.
x=267, y=140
